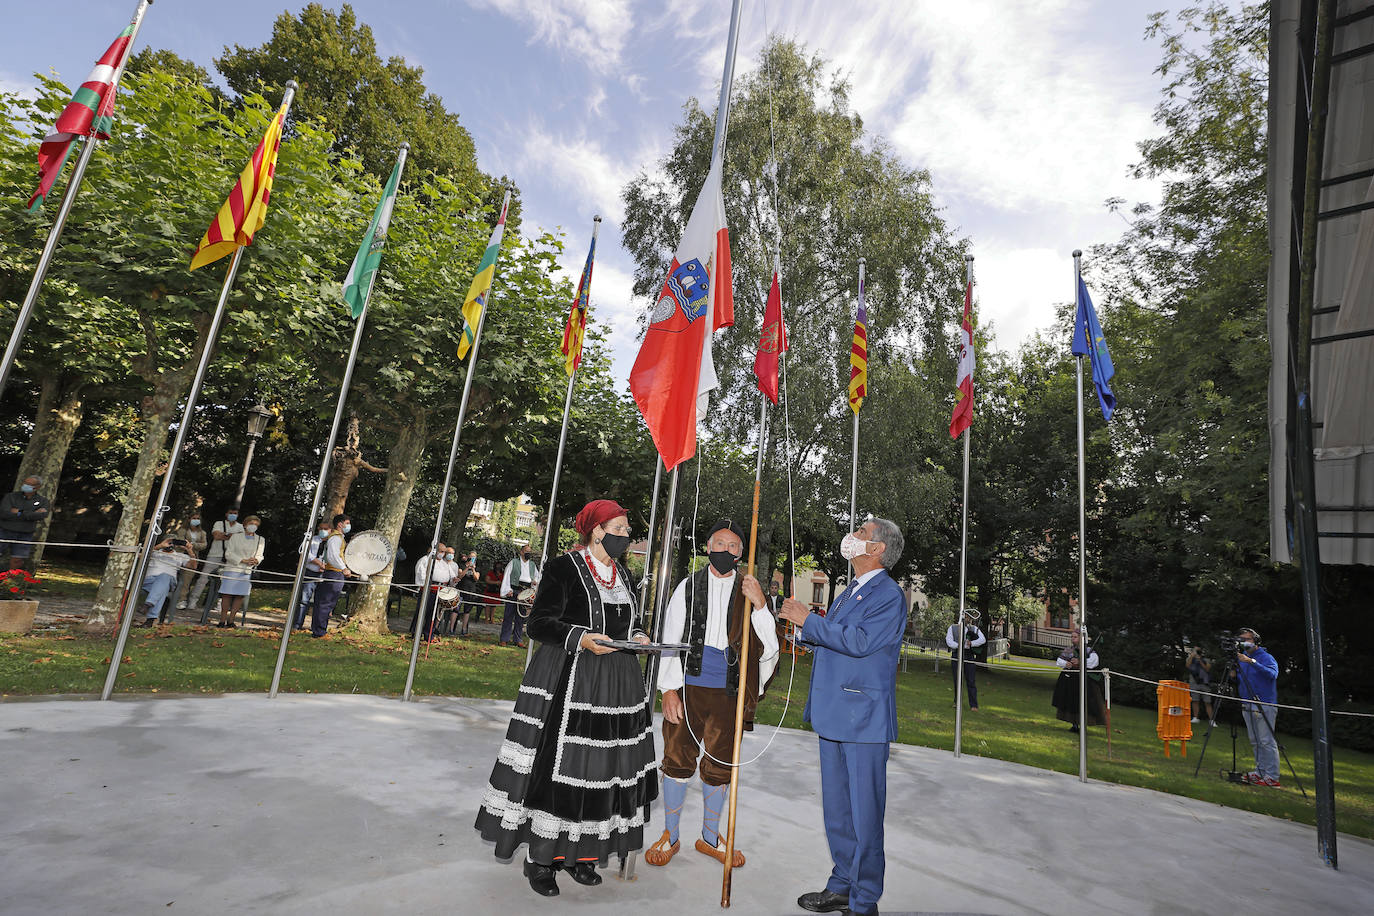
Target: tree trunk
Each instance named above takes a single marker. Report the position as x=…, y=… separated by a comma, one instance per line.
x=159, y=411
x=403, y=463
x=46, y=454
x=344, y=468
x=460, y=510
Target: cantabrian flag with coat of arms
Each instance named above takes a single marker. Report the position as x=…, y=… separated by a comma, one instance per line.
x=244, y=212
x=674, y=374
x=962, y=418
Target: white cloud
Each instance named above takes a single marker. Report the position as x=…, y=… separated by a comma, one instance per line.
x=24, y=87
x=1016, y=289
x=587, y=175
x=595, y=31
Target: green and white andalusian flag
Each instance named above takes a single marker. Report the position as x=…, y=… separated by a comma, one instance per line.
x=369, y=256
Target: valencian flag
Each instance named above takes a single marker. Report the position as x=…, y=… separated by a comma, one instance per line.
x=245, y=210
x=858, y=356
x=90, y=113
x=673, y=374
x=577, y=316
x=1087, y=340
x=963, y=403
x=481, y=284
x=772, y=342
x=369, y=256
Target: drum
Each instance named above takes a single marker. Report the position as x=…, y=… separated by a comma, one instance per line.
x=526, y=595
x=368, y=553
x=448, y=598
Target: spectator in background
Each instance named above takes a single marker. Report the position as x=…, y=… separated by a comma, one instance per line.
x=1199, y=679
x=973, y=637
x=1065, y=698
x=469, y=587
x=314, y=567
x=522, y=573
x=220, y=532
x=491, y=587
x=168, y=559
x=193, y=533
x=444, y=572
x=243, y=551
x=332, y=579
x=20, y=513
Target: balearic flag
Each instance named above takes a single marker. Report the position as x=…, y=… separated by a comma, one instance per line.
x=90, y=113
x=673, y=374
x=772, y=342
x=481, y=284
x=858, y=356
x=369, y=256
x=1088, y=340
x=963, y=403
x=577, y=316
x=245, y=210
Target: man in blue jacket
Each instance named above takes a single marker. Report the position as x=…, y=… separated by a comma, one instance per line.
x=1256, y=679
x=852, y=706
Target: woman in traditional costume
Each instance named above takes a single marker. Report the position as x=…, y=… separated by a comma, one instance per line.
x=575, y=775
x=1065, y=697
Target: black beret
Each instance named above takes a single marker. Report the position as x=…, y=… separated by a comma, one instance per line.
x=726, y=525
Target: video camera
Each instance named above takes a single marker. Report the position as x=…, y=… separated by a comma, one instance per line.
x=1230, y=644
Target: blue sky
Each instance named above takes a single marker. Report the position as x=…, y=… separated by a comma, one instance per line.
x=1026, y=112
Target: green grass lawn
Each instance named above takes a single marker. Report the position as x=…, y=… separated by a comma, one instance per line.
x=1015, y=721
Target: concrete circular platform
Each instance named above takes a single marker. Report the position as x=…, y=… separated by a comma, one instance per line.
x=345, y=805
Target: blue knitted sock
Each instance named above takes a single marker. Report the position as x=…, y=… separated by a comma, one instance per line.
x=674, y=797
x=713, y=803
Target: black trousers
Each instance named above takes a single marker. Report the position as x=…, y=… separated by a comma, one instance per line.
x=970, y=678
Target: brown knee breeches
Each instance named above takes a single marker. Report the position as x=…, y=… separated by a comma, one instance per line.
x=711, y=713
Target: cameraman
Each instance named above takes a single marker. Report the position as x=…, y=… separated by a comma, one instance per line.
x=164, y=565
x=1256, y=680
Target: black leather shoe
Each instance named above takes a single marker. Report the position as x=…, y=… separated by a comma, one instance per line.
x=584, y=873
x=824, y=902
x=541, y=879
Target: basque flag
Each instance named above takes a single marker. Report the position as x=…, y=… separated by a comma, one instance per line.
x=673, y=373
x=1088, y=341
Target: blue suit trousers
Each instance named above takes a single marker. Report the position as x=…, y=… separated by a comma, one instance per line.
x=853, y=799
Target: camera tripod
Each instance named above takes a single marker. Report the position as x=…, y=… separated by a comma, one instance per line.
x=1224, y=691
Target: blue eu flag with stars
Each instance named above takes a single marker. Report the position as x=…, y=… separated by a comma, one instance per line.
x=1088, y=341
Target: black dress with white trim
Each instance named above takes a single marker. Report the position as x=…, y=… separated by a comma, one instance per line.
x=575, y=775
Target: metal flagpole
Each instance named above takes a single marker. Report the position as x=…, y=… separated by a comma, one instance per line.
x=1082, y=561
x=562, y=443
x=963, y=577
x=448, y=480
x=649, y=538
x=854, y=471
x=21, y=323
x=161, y=506
x=312, y=520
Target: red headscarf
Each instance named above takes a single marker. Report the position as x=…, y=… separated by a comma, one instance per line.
x=596, y=512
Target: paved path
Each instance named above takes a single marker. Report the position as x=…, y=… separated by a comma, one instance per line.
x=345, y=805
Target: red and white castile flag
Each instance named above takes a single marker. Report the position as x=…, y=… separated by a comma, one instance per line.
x=963, y=404
x=772, y=342
x=90, y=113
x=673, y=373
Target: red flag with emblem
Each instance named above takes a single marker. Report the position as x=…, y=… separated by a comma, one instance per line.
x=772, y=342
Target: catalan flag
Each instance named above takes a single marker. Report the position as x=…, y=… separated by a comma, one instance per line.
x=858, y=356
x=576, y=327
x=246, y=209
x=962, y=418
x=481, y=284
x=90, y=113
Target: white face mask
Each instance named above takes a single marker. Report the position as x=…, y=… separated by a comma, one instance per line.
x=853, y=547
x=347, y=527
x=195, y=523
x=249, y=529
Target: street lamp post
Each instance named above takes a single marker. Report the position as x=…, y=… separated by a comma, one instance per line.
x=258, y=418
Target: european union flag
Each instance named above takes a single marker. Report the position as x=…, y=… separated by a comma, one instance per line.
x=1087, y=341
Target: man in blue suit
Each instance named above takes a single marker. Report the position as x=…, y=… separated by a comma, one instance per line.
x=852, y=706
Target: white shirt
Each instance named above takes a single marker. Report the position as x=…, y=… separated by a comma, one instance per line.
x=616, y=594
x=217, y=547
x=166, y=564
x=333, y=551
x=242, y=546
x=313, y=552
x=1092, y=659
x=444, y=572
x=719, y=589
x=528, y=574
x=953, y=641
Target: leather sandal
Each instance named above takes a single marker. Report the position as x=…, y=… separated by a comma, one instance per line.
x=718, y=853
x=661, y=853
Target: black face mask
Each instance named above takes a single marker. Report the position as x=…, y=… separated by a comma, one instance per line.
x=615, y=545
x=723, y=561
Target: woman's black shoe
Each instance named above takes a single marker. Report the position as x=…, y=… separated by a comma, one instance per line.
x=541, y=879
x=584, y=873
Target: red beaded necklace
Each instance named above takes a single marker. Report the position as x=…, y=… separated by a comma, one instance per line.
x=591, y=567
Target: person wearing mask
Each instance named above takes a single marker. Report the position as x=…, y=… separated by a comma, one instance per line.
x=331, y=583
x=522, y=572
x=973, y=637
x=20, y=514
x=445, y=572
x=491, y=587
x=852, y=705
x=707, y=611
x=168, y=559
x=469, y=588
x=220, y=533
x=1199, y=682
x=1257, y=676
x=574, y=779
x=193, y=533
x=314, y=568
x=1065, y=697
x=243, y=551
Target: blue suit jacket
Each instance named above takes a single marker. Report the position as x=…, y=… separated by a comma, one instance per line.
x=853, y=693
